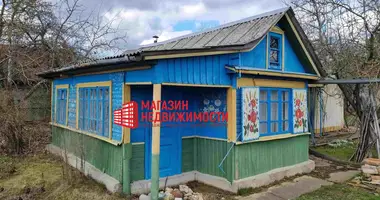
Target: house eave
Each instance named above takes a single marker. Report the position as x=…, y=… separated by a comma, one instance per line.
x=250, y=71
x=102, y=66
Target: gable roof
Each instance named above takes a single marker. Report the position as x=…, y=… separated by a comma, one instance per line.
x=241, y=35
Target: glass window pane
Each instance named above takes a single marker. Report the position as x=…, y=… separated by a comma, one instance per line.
x=273, y=56
x=285, y=111
x=263, y=112
x=263, y=128
x=86, y=110
x=263, y=95
x=285, y=95
x=274, y=127
x=106, y=94
x=101, y=116
x=93, y=116
x=274, y=111
x=285, y=126
x=100, y=93
x=274, y=95
x=106, y=118
x=273, y=42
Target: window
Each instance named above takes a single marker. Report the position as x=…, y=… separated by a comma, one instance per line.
x=275, y=51
x=274, y=111
x=94, y=110
x=61, y=106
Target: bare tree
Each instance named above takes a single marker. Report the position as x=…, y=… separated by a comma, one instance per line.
x=345, y=35
x=36, y=35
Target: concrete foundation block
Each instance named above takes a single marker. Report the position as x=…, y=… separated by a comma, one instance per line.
x=111, y=183
x=273, y=175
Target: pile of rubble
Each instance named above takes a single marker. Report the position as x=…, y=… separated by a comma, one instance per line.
x=181, y=193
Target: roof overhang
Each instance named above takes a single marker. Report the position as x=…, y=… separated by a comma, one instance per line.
x=250, y=71
x=97, y=68
x=348, y=81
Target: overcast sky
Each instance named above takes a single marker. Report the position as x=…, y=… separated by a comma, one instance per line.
x=141, y=19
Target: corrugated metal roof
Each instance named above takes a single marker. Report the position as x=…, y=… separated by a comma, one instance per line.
x=235, y=33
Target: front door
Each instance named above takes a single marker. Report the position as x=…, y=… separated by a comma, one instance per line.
x=170, y=141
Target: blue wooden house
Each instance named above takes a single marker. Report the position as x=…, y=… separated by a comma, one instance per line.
x=255, y=71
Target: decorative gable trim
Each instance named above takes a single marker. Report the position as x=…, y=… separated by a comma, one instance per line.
x=302, y=44
x=277, y=29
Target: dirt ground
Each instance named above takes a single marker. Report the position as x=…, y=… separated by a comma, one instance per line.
x=40, y=175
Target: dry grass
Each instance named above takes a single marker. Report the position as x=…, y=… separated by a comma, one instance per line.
x=43, y=177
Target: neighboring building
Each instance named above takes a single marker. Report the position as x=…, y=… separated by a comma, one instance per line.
x=256, y=69
x=329, y=110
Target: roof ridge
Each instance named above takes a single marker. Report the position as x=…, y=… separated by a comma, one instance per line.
x=266, y=14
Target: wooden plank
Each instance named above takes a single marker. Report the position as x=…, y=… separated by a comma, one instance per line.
x=246, y=82
x=126, y=98
x=231, y=109
x=155, y=175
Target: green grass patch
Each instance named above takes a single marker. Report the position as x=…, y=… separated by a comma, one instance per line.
x=339, y=191
x=343, y=152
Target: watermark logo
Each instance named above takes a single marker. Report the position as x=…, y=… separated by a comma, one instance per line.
x=165, y=111
x=127, y=116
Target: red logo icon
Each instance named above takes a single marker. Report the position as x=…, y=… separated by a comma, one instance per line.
x=117, y=117
x=127, y=116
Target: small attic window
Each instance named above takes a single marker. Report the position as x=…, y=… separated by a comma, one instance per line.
x=275, y=51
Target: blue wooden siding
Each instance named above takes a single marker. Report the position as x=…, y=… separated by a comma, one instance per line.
x=207, y=70
x=257, y=59
x=239, y=120
x=292, y=62
x=117, y=92
x=146, y=75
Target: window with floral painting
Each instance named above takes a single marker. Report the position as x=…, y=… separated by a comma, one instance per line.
x=274, y=111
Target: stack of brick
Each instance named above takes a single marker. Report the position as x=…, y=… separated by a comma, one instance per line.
x=371, y=169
